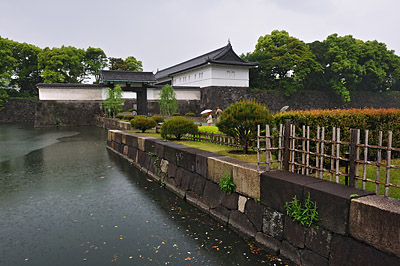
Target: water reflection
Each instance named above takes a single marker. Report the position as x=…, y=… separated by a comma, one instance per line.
x=73, y=203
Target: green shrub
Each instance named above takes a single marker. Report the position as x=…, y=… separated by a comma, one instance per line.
x=178, y=126
x=306, y=215
x=158, y=119
x=129, y=117
x=190, y=114
x=210, y=129
x=143, y=123
x=175, y=114
x=130, y=110
x=240, y=121
x=119, y=116
x=226, y=183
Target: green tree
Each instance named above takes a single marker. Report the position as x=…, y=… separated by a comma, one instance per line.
x=62, y=65
x=113, y=104
x=284, y=62
x=95, y=60
x=129, y=64
x=240, y=121
x=143, y=123
x=168, y=102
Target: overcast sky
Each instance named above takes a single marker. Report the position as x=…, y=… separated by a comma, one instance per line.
x=162, y=33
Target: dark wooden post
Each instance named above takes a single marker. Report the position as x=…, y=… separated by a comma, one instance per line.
x=353, y=156
x=286, y=143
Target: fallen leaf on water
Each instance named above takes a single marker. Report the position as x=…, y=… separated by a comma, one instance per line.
x=188, y=258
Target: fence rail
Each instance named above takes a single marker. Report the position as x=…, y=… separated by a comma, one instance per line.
x=342, y=161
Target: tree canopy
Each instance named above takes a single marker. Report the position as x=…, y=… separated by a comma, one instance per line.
x=129, y=64
x=338, y=64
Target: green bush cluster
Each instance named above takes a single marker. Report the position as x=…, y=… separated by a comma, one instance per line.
x=175, y=114
x=190, y=114
x=119, y=116
x=178, y=126
x=158, y=119
x=143, y=123
x=129, y=117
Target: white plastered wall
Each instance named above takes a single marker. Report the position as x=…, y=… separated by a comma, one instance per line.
x=72, y=94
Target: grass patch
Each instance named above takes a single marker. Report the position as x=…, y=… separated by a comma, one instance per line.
x=210, y=129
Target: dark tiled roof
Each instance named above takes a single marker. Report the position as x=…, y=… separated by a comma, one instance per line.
x=69, y=85
x=224, y=55
x=127, y=76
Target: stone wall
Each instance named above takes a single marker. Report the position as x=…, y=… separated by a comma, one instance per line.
x=18, y=111
x=212, y=97
x=362, y=231
x=67, y=113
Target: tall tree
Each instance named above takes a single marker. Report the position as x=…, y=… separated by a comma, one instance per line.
x=65, y=64
x=168, y=102
x=129, y=64
x=285, y=61
x=95, y=60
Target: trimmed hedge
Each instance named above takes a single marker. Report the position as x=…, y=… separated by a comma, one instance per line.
x=129, y=117
x=178, y=126
x=119, y=116
x=158, y=119
x=143, y=123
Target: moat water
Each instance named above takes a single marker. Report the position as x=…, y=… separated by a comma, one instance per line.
x=66, y=200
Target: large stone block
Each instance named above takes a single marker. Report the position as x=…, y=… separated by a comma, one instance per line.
x=198, y=184
x=290, y=252
x=212, y=194
x=123, y=138
x=217, y=167
x=347, y=251
x=118, y=137
x=221, y=214
x=150, y=145
x=170, y=151
x=202, y=161
x=273, y=222
x=194, y=199
x=142, y=142
x=128, y=139
x=132, y=152
x=230, y=201
x=279, y=187
x=246, y=176
x=319, y=240
x=242, y=225
x=186, y=158
x=187, y=179
x=254, y=212
x=376, y=220
x=333, y=201
x=172, y=168
x=272, y=244
x=294, y=232
x=309, y=258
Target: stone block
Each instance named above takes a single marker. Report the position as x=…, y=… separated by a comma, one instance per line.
x=333, y=201
x=193, y=199
x=212, y=194
x=159, y=149
x=109, y=135
x=290, y=252
x=125, y=151
x=170, y=182
x=278, y=187
x=347, y=251
x=309, y=258
x=217, y=166
x=376, y=220
x=118, y=137
x=143, y=159
x=230, y=201
x=202, y=161
x=187, y=179
x=141, y=143
x=132, y=152
x=117, y=147
x=198, y=184
x=170, y=151
x=172, y=168
x=273, y=222
x=221, y=214
x=128, y=140
x=271, y=244
x=247, y=179
x=179, y=176
x=123, y=138
x=254, y=212
x=186, y=158
x=318, y=240
x=242, y=225
x=241, y=203
x=294, y=232
x=150, y=145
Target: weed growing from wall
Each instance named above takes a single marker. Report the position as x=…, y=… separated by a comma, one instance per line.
x=226, y=183
x=306, y=214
